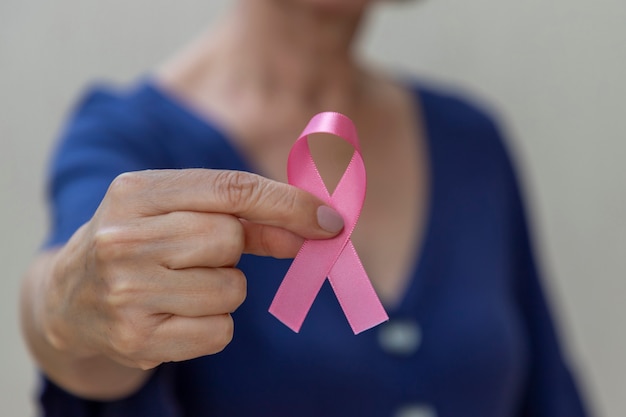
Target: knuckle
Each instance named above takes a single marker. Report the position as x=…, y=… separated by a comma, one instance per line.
x=121, y=292
x=241, y=287
x=239, y=284
x=237, y=189
x=127, y=340
x=225, y=328
x=232, y=241
x=54, y=336
x=267, y=240
x=282, y=200
x=146, y=365
x=127, y=183
x=109, y=243
x=289, y=200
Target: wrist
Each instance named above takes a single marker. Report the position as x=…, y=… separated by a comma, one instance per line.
x=52, y=316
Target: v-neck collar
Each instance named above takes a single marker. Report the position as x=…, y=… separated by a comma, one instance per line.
x=423, y=105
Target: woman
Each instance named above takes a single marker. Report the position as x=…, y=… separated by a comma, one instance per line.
x=127, y=308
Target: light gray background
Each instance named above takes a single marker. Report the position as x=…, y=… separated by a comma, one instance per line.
x=555, y=69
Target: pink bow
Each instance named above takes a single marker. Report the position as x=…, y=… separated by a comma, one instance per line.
x=333, y=258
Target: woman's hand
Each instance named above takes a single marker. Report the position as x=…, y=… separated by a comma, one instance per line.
x=152, y=277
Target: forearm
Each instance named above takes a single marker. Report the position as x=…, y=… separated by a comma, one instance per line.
x=88, y=376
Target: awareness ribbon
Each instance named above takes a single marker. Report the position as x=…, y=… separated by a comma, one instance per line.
x=334, y=258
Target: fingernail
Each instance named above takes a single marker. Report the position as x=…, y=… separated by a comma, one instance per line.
x=329, y=219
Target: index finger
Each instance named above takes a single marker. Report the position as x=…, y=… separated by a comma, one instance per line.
x=242, y=194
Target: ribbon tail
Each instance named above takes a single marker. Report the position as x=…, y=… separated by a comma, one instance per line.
x=303, y=281
x=355, y=292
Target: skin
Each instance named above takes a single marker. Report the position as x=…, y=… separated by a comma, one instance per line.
x=152, y=277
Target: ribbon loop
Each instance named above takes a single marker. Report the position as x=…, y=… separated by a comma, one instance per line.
x=333, y=258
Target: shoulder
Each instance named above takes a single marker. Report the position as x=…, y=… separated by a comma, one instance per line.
x=109, y=131
x=463, y=122
x=107, y=119
x=469, y=145
x=456, y=109
x=113, y=112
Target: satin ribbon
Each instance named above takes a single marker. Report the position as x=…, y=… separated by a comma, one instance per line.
x=333, y=258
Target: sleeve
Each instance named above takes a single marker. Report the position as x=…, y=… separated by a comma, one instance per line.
x=550, y=389
x=107, y=135
x=157, y=398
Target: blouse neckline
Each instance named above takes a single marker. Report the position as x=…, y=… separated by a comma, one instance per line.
x=422, y=106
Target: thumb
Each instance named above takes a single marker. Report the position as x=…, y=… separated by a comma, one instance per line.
x=271, y=203
x=241, y=194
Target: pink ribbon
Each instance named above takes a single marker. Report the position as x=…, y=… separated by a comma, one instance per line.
x=333, y=258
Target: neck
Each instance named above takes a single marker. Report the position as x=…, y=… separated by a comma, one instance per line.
x=287, y=49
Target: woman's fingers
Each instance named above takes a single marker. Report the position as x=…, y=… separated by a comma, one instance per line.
x=186, y=239
x=172, y=315
x=192, y=292
x=171, y=339
x=180, y=338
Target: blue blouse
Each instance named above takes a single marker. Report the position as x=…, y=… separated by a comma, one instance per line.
x=473, y=335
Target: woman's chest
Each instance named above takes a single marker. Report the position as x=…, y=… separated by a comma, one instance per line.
x=455, y=345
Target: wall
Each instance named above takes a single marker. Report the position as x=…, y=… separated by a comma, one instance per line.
x=553, y=69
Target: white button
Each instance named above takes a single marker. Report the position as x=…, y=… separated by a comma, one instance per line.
x=400, y=337
x=416, y=411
